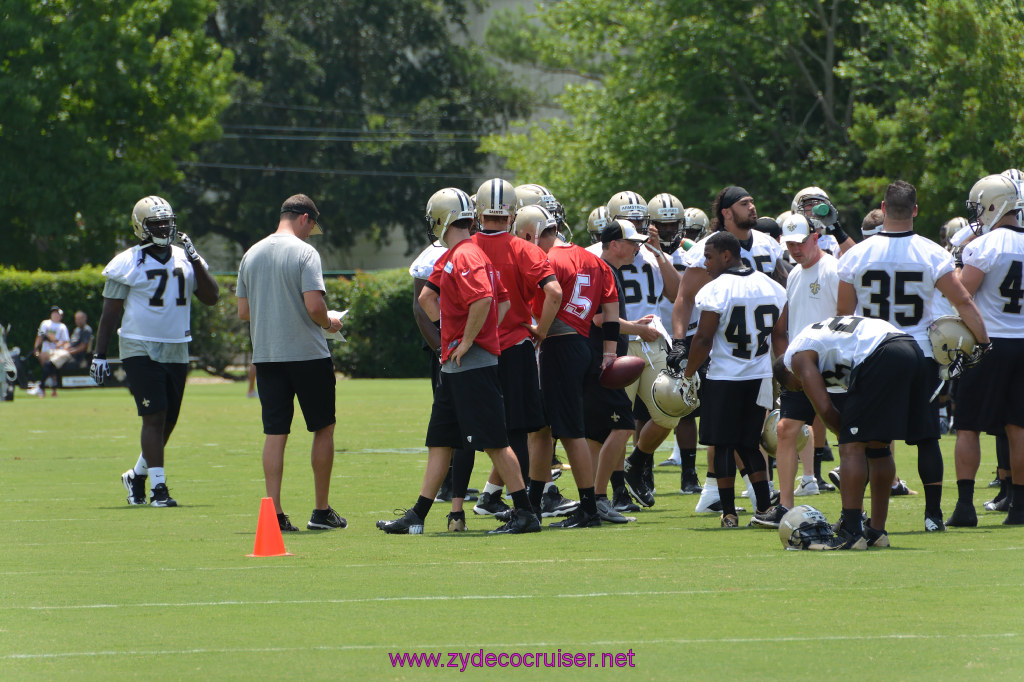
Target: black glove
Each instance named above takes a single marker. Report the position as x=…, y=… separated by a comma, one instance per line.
x=676, y=358
x=979, y=352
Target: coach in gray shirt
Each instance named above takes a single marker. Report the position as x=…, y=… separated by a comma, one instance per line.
x=281, y=294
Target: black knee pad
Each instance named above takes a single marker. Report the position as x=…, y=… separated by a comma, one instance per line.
x=1003, y=452
x=877, y=453
x=725, y=465
x=752, y=459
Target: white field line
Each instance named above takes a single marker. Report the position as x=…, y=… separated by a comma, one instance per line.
x=548, y=647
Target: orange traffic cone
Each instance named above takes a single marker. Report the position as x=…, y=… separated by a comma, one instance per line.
x=268, y=533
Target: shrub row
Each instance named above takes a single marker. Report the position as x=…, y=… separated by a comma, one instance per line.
x=382, y=338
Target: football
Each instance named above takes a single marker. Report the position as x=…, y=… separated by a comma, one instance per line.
x=623, y=371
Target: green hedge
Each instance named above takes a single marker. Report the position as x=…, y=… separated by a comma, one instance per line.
x=382, y=337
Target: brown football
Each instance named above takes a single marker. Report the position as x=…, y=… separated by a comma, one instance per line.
x=623, y=371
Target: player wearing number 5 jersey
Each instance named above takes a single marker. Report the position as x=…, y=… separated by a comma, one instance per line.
x=738, y=310
x=152, y=284
x=891, y=276
x=887, y=386
x=988, y=397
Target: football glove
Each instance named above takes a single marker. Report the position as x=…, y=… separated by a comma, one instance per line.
x=677, y=356
x=979, y=352
x=99, y=370
x=188, y=246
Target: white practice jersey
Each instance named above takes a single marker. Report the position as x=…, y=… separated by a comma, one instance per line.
x=941, y=307
x=811, y=293
x=760, y=252
x=424, y=263
x=643, y=287
x=894, y=275
x=159, y=297
x=749, y=304
x=828, y=244
x=841, y=343
x=596, y=249
x=665, y=305
x=1000, y=255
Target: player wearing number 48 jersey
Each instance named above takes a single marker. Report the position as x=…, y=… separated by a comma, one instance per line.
x=891, y=277
x=152, y=284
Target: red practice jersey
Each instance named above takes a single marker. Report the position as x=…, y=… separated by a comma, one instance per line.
x=464, y=275
x=586, y=281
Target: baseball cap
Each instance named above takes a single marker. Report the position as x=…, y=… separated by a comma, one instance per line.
x=621, y=229
x=795, y=228
x=769, y=227
x=300, y=203
x=57, y=309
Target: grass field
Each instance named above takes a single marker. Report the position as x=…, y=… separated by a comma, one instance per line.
x=94, y=589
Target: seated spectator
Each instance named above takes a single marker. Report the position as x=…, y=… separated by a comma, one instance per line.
x=81, y=340
x=52, y=336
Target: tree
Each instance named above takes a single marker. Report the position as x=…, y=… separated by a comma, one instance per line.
x=98, y=104
x=687, y=96
x=368, y=107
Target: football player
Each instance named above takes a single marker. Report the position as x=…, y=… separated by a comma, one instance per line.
x=813, y=203
x=891, y=276
x=149, y=287
x=738, y=310
x=646, y=281
x=465, y=293
x=734, y=212
x=988, y=396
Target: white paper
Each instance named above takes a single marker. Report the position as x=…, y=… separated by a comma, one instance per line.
x=335, y=315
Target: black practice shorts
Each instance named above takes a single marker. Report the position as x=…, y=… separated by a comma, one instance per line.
x=605, y=409
x=989, y=395
x=520, y=386
x=796, y=405
x=279, y=383
x=563, y=368
x=468, y=411
x=156, y=386
x=888, y=397
x=731, y=415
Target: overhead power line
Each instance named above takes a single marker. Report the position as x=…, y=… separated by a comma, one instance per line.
x=329, y=171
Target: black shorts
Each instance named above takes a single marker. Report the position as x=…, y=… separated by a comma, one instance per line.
x=564, y=361
x=520, y=386
x=605, y=410
x=989, y=395
x=312, y=381
x=796, y=405
x=732, y=416
x=156, y=386
x=468, y=411
x=888, y=397
x=640, y=411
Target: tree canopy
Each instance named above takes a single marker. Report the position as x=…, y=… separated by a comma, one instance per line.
x=687, y=96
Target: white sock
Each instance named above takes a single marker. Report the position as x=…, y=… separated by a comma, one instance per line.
x=807, y=479
x=491, y=488
x=676, y=455
x=710, y=483
x=156, y=476
x=140, y=466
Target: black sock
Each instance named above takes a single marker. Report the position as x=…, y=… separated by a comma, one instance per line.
x=852, y=521
x=640, y=458
x=601, y=496
x=933, y=499
x=728, y=498
x=587, y=500
x=1016, y=495
x=618, y=480
x=1004, y=489
x=422, y=507
x=817, y=467
x=688, y=457
x=520, y=500
x=764, y=498
x=458, y=515
x=965, y=490
x=536, y=489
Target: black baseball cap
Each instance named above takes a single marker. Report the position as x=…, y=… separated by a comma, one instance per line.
x=300, y=203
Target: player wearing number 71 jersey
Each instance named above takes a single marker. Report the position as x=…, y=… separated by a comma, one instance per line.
x=891, y=276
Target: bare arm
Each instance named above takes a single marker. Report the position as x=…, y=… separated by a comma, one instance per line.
x=474, y=322
x=610, y=311
x=430, y=301
x=207, y=289
x=700, y=347
x=954, y=291
x=682, y=308
x=846, y=246
x=805, y=366
x=431, y=334
x=243, y=309
x=316, y=308
x=552, y=302
x=112, y=308
x=780, y=333
x=971, y=277
x=668, y=271
x=846, y=299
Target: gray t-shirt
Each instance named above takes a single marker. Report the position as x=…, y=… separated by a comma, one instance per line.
x=273, y=275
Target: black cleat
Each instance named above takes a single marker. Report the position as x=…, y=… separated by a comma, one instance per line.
x=161, y=497
x=409, y=524
x=933, y=523
x=769, y=518
x=622, y=502
x=690, y=484
x=826, y=454
x=553, y=504
x=637, y=486
x=824, y=486
x=456, y=522
x=963, y=516
x=490, y=504
x=579, y=519
x=834, y=477
x=999, y=504
x=285, y=524
x=847, y=540
x=136, y=487
x=325, y=519
x=521, y=521
x=876, y=538
x=1014, y=517
x=649, y=476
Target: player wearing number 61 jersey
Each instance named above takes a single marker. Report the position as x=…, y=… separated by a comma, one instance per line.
x=892, y=276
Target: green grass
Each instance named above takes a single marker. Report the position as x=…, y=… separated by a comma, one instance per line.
x=94, y=589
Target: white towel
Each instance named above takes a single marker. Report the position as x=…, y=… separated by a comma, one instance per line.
x=766, y=396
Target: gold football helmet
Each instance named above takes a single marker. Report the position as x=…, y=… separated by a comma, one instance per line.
x=496, y=197
x=445, y=207
x=695, y=224
x=629, y=206
x=596, y=222
x=532, y=221
x=770, y=434
x=990, y=199
x=674, y=394
x=153, y=221
x=666, y=213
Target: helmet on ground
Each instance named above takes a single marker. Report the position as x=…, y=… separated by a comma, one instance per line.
x=666, y=212
x=153, y=221
x=445, y=207
x=804, y=527
x=990, y=199
x=674, y=394
x=629, y=206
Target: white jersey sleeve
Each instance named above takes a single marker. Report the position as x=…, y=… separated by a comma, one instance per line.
x=748, y=304
x=760, y=252
x=424, y=263
x=894, y=275
x=842, y=343
x=1000, y=255
x=159, y=298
